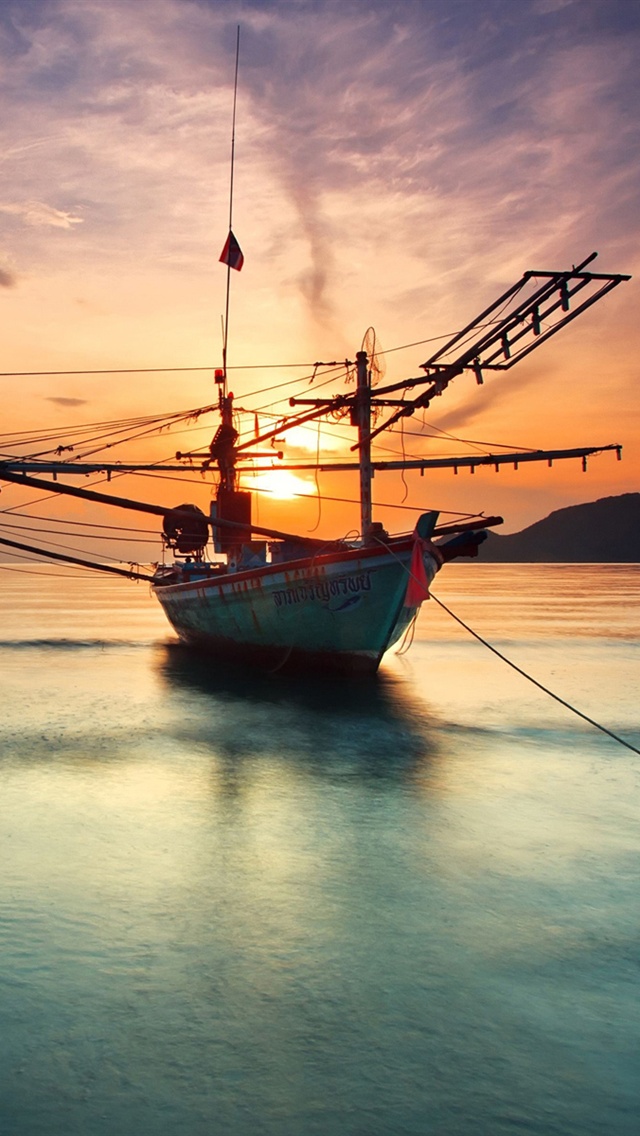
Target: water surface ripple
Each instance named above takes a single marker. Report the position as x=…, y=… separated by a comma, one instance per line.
x=245, y=904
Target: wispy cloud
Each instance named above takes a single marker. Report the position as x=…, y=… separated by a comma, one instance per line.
x=396, y=164
x=60, y=400
x=378, y=129
x=497, y=392
x=7, y=279
x=38, y=213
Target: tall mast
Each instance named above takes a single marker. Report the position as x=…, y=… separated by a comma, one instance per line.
x=223, y=390
x=227, y=435
x=363, y=422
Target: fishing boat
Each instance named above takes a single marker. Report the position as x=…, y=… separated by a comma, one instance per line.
x=343, y=604
x=253, y=594
x=248, y=593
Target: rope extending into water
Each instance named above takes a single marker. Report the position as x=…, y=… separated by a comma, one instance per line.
x=535, y=682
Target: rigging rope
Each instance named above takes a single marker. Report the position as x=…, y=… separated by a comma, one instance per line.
x=483, y=446
x=31, y=572
x=80, y=524
x=18, y=529
x=183, y=370
x=302, y=496
x=39, y=529
x=132, y=573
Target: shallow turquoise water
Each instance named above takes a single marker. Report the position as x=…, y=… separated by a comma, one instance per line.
x=264, y=905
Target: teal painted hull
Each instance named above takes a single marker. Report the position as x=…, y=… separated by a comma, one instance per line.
x=342, y=611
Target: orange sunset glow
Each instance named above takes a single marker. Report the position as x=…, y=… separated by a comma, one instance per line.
x=397, y=166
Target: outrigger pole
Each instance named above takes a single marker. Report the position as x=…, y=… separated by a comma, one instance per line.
x=499, y=337
x=9, y=471
x=7, y=474
x=495, y=460
x=130, y=573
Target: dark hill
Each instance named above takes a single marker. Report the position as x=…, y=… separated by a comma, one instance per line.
x=603, y=531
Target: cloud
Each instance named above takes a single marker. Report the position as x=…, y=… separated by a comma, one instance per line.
x=60, y=400
x=415, y=142
x=393, y=162
x=37, y=213
x=500, y=389
x=7, y=279
x=396, y=164
x=546, y=7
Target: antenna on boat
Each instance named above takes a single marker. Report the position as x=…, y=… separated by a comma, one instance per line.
x=229, y=256
x=222, y=448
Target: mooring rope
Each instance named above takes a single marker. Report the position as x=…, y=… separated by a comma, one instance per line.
x=535, y=682
x=407, y=638
x=514, y=666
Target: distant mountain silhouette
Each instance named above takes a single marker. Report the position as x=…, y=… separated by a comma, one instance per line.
x=603, y=531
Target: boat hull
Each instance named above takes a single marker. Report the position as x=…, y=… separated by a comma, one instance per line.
x=339, y=612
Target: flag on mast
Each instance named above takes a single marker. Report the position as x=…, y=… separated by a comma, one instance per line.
x=232, y=253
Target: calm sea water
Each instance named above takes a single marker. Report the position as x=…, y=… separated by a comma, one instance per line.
x=271, y=906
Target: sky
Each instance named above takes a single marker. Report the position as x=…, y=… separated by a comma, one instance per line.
x=397, y=166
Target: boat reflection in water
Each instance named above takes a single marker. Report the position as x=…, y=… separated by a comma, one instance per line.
x=368, y=727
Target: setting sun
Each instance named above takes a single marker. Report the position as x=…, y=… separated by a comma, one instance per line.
x=280, y=483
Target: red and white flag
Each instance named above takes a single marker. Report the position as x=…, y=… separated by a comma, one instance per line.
x=418, y=582
x=232, y=253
